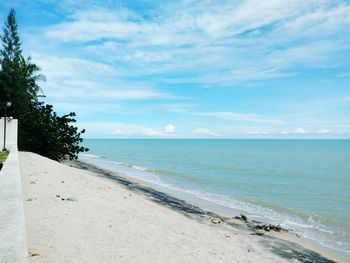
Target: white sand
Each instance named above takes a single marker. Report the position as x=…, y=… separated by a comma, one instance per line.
x=109, y=223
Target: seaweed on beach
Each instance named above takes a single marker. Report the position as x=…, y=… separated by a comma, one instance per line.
x=155, y=195
x=283, y=248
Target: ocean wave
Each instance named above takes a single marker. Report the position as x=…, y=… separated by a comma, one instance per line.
x=307, y=227
x=136, y=167
x=88, y=155
x=141, y=168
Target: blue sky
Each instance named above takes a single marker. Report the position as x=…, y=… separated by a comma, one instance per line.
x=193, y=69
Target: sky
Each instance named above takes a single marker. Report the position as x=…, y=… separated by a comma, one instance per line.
x=193, y=69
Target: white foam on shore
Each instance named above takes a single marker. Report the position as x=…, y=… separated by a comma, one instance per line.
x=308, y=228
x=311, y=230
x=88, y=156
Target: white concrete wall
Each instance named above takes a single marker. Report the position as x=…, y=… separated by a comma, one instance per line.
x=11, y=132
x=13, y=244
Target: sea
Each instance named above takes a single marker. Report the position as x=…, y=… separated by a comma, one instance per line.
x=303, y=185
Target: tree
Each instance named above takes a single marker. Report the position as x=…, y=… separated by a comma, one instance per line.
x=12, y=64
x=41, y=130
x=44, y=132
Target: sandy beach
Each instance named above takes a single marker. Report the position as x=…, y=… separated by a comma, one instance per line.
x=80, y=215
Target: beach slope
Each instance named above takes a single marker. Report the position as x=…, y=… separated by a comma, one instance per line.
x=74, y=215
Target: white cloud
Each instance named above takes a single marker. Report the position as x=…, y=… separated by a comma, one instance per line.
x=205, y=132
x=292, y=133
x=59, y=66
x=213, y=38
x=299, y=131
x=83, y=92
x=285, y=132
x=132, y=130
x=80, y=79
x=95, y=24
x=312, y=54
x=320, y=21
x=248, y=117
x=256, y=132
x=118, y=129
x=148, y=56
x=127, y=130
x=113, y=55
x=182, y=108
x=323, y=131
x=169, y=129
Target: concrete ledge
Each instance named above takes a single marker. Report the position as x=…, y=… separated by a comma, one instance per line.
x=13, y=245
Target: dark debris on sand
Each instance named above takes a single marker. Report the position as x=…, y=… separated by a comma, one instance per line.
x=283, y=248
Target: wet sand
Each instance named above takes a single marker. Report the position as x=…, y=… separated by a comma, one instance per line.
x=93, y=215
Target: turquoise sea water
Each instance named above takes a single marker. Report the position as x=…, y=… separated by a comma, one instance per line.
x=303, y=185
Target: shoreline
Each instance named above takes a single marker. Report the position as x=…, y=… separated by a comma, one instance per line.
x=292, y=245
x=93, y=215
x=270, y=201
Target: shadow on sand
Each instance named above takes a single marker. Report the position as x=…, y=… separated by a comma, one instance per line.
x=286, y=249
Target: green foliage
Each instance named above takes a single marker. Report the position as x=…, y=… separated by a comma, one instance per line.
x=3, y=156
x=40, y=129
x=50, y=135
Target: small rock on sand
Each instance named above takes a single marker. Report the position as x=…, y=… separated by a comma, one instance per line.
x=216, y=221
x=260, y=232
x=241, y=217
x=244, y=218
x=33, y=254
